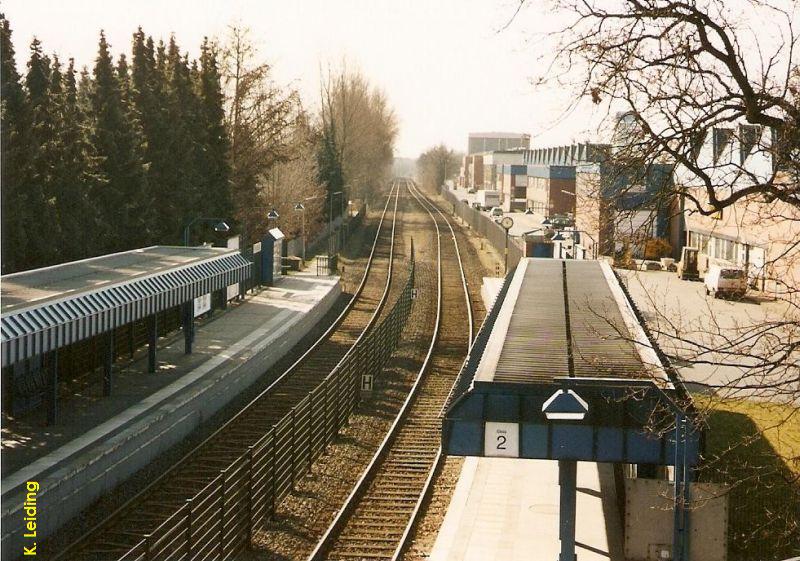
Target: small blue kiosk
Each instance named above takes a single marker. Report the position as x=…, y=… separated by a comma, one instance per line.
x=271, y=257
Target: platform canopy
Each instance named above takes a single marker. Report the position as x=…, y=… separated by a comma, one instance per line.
x=45, y=309
x=562, y=369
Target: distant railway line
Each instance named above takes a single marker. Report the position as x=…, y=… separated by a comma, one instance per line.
x=377, y=518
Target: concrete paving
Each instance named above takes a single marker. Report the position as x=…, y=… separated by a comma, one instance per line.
x=687, y=321
x=101, y=441
x=508, y=510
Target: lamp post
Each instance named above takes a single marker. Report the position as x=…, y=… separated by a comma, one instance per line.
x=300, y=208
x=219, y=226
x=330, y=221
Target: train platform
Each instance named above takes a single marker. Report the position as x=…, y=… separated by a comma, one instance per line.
x=505, y=509
x=99, y=441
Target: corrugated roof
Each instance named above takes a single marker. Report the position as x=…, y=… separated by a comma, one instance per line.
x=66, y=316
x=542, y=331
x=535, y=346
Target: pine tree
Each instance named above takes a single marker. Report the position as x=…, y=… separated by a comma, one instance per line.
x=42, y=249
x=147, y=97
x=15, y=149
x=117, y=138
x=213, y=163
x=180, y=174
x=75, y=171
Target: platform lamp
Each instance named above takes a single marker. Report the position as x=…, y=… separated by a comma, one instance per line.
x=300, y=208
x=219, y=226
x=559, y=238
x=547, y=222
x=330, y=219
x=273, y=215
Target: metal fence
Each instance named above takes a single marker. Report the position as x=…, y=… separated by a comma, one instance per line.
x=219, y=521
x=486, y=227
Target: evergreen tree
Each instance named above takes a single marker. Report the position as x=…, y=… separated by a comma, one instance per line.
x=117, y=138
x=15, y=149
x=180, y=174
x=75, y=171
x=213, y=161
x=40, y=188
x=147, y=97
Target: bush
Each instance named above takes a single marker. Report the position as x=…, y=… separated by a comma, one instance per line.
x=656, y=248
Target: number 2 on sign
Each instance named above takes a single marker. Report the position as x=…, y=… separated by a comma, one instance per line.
x=501, y=439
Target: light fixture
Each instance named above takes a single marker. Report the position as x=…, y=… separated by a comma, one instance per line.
x=565, y=405
x=546, y=222
x=298, y=206
x=558, y=237
x=273, y=215
x=222, y=227
x=529, y=210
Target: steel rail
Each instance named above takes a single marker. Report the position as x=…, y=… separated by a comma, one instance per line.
x=65, y=554
x=325, y=544
x=439, y=459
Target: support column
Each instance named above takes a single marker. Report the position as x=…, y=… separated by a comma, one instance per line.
x=680, y=536
x=108, y=364
x=188, y=326
x=567, y=480
x=152, y=339
x=52, y=389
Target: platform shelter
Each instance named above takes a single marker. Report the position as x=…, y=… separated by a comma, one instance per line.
x=564, y=370
x=46, y=311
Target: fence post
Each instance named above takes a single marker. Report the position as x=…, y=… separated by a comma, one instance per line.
x=250, y=495
x=310, y=430
x=189, y=521
x=272, y=472
x=294, y=448
x=222, y=474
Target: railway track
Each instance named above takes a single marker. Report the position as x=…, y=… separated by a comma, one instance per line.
x=133, y=522
x=379, y=514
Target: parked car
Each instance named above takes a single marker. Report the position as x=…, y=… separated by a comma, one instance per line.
x=725, y=280
x=496, y=212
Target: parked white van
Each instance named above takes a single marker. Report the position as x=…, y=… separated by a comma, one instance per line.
x=725, y=280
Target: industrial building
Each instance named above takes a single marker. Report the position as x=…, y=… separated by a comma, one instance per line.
x=551, y=176
x=755, y=234
x=479, y=142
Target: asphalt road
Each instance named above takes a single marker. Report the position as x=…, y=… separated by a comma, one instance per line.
x=717, y=343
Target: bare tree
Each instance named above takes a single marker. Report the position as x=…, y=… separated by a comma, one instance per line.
x=260, y=117
x=436, y=165
x=360, y=126
x=711, y=90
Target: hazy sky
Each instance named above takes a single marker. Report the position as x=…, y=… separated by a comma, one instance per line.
x=445, y=66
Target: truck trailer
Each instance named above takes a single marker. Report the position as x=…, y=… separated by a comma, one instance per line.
x=487, y=198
